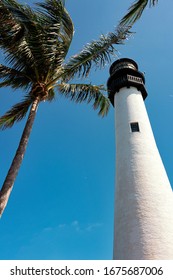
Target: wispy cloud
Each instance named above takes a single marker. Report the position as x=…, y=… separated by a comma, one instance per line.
x=94, y=226
x=75, y=226
x=85, y=227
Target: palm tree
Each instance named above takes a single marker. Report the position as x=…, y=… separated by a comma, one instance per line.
x=35, y=43
x=135, y=11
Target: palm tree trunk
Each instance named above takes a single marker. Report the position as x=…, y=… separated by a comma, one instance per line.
x=17, y=160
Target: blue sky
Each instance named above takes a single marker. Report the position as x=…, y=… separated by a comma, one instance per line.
x=62, y=203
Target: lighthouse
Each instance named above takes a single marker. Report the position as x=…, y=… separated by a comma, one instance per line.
x=143, y=223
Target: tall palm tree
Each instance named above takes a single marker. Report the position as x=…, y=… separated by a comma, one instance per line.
x=135, y=11
x=35, y=43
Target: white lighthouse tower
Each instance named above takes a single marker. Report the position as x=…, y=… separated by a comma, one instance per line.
x=143, y=227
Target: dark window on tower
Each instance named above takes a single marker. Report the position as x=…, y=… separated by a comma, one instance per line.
x=134, y=126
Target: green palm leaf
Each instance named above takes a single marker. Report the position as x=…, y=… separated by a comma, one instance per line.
x=16, y=113
x=13, y=36
x=32, y=43
x=96, y=53
x=59, y=31
x=13, y=78
x=86, y=93
x=9, y=28
x=57, y=14
x=51, y=95
x=136, y=10
x=41, y=38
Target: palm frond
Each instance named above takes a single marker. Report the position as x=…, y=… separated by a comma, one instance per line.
x=28, y=52
x=12, y=35
x=136, y=10
x=57, y=14
x=59, y=28
x=86, y=93
x=96, y=53
x=51, y=95
x=31, y=45
x=13, y=78
x=16, y=113
x=9, y=28
x=46, y=36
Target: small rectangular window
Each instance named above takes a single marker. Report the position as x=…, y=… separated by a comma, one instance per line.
x=134, y=127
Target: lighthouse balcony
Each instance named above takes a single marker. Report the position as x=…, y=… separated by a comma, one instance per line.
x=126, y=80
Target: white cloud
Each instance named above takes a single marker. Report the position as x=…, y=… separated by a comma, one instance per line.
x=92, y=227
x=75, y=226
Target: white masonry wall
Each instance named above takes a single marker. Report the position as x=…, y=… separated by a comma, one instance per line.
x=144, y=199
